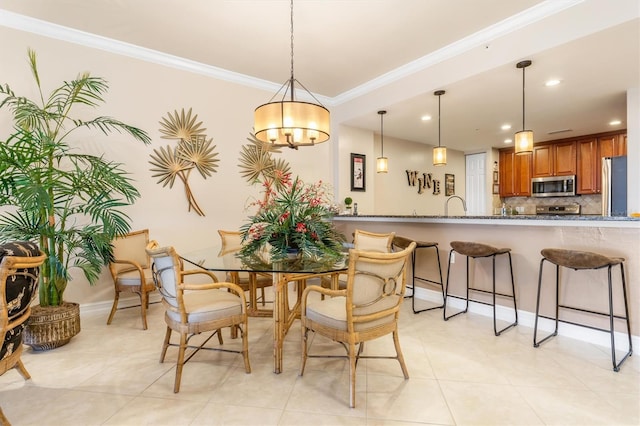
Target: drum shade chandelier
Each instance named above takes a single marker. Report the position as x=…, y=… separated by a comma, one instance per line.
x=382, y=163
x=291, y=123
x=439, y=152
x=524, y=138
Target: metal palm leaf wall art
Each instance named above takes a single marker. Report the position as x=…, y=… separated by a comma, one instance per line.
x=258, y=165
x=193, y=151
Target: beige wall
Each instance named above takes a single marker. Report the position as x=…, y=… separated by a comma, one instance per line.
x=141, y=94
x=389, y=193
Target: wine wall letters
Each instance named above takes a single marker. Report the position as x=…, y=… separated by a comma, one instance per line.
x=424, y=181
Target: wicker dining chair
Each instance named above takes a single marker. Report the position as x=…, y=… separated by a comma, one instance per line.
x=131, y=271
x=192, y=309
x=368, y=241
x=368, y=308
x=248, y=281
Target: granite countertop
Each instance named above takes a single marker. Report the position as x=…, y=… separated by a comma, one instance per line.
x=594, y=218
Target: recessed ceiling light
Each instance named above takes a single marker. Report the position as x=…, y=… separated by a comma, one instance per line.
x=615, y=122
x=553, y=82
x=505, y=126
x=425, y=118
x=508, y=141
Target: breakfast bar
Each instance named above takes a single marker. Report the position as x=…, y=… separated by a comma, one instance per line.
x=526, y=235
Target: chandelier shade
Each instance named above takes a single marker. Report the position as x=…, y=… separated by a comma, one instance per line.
x=289, y=122
x=439, y=152
x=292, y=123
x=523, y=139
x=382, y=163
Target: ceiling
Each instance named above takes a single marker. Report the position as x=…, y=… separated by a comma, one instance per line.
x=360, y=56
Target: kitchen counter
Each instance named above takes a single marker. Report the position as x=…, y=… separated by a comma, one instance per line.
x=526, y=236
x=530, y=220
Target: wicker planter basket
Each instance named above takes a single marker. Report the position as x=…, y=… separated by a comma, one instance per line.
x=52, y=326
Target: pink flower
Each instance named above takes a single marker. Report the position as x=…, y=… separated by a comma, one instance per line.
x=301, y=227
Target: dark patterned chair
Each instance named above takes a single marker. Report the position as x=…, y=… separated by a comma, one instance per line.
x=19, y=270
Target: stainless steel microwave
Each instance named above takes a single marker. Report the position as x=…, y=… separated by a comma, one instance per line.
x=553, y=186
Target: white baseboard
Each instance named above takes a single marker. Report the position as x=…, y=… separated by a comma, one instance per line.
x=527, y=319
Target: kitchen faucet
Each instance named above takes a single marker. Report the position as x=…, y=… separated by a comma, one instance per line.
x=446, y=204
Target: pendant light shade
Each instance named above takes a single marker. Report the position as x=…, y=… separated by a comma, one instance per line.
x=289, y=122
x=439, y=152
x=523, y=139
x=382, y=163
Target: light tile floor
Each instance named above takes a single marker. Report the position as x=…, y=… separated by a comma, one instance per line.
x=461, y=374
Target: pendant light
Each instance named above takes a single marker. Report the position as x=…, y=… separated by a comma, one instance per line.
x=524, y=138
x=382, y=163
x=439, y=152
x=291, y=123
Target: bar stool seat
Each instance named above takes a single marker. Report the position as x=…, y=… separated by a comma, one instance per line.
x=403, y=243
x=584, y=260
x=480, y=250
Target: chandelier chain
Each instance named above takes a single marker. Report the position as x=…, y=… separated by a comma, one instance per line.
x=292, y=45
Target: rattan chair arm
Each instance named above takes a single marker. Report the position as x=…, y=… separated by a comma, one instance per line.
x=210, y=274
x=325, y=291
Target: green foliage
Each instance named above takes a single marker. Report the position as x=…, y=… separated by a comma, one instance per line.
x=67, y=201
x=293, y=216
x=348, y=201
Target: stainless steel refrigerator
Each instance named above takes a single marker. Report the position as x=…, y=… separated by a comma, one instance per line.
x=614, y=186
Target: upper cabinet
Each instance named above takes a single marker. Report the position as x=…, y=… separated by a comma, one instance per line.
x=580, y=156
x=557, y=159
x=613, y=146
x=590, y=153
x=515, y=174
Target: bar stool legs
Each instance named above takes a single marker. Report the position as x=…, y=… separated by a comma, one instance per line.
x=590, y=261
x=423, y=245
x=476, y=250
x=402, y=243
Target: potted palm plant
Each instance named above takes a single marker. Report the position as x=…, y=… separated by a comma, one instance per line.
x=69, y=202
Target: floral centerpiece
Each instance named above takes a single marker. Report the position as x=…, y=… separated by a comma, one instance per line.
x=293, y=217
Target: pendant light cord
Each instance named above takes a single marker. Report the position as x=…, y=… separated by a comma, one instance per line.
x=439, y=96
x=523, y=112
x=381, y=134
x=292, y=78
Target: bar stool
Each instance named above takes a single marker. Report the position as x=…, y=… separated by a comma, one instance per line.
x=585, y=260
x=478, y=250
x=403, y=243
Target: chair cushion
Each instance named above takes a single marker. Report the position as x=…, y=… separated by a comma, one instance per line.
x=332, y=312
x=208, y=305
x=132, y=278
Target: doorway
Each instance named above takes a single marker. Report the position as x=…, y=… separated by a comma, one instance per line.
x=476, y=184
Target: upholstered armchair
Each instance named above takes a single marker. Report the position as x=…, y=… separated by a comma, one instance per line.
x=19, y=271
x=192, y=309
x=131, y=271
x=368, y=308
x=248, y=281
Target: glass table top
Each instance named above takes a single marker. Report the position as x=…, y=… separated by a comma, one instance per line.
x=215, y=259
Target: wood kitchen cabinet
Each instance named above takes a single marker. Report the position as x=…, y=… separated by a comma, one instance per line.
x=557, y=159
x=589, y=164
x=590, y=153
x=515, y=174
x=613, y=146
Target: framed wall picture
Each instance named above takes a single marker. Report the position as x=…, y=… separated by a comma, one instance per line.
x=358, y=172
x=449, y=184
x=495, y=176
x=496, y=188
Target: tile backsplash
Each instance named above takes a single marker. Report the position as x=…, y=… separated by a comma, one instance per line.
x=589, y=204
